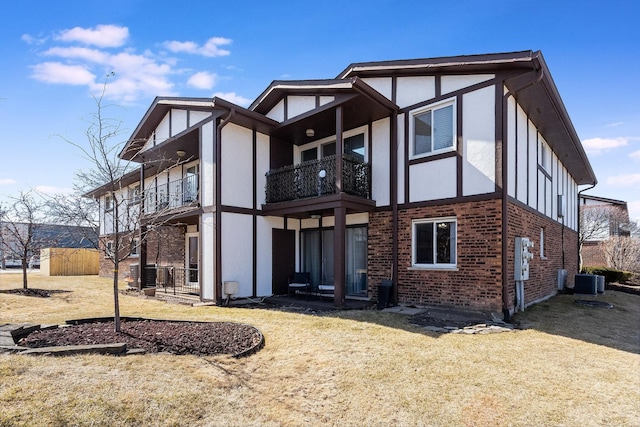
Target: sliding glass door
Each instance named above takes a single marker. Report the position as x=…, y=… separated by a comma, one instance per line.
x=317, y=258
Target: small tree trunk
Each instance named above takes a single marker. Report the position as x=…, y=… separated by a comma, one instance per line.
x=116, y=317
x=24, y=274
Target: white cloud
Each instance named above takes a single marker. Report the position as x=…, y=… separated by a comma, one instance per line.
x=136, y=75
x=81, y=53
x=48, y=189
x=202, y=80
x=101, y=35
x=635, y=155
x=233, y=97
x=56, y=72
x=625, y=180
x=7, y=181
x=598, y=145
x=615, y=124
x=29, y=39
x=210, y=49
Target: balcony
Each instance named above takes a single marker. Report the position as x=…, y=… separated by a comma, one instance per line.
x=317, y=178
x=172, y=195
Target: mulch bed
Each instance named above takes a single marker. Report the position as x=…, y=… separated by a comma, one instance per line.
x=29, y=292
x=195, y=338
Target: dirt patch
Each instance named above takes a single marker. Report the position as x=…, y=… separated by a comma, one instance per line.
x=195, y=338
x=450, y=317
x=39, y=293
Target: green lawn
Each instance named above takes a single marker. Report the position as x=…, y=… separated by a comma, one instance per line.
x=573, y=366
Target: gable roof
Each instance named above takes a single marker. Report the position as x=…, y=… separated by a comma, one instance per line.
x=361, y=101
x=531, y=84
x=162, y=105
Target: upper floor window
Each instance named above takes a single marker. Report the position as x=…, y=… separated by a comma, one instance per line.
x=134, y=194
x=434, y=243
x=544, y=156
x=108, y=203
x=352, y=145
x=433, y=129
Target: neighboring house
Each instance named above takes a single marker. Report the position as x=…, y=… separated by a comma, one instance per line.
x=601, y=218
x=419, y=171
x=44, y=236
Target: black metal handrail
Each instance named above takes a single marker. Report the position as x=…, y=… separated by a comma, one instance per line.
x=175, y=280
x=316, y=178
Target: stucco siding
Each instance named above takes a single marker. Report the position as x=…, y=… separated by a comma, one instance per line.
x=412, y=90
x=478, y=133
x=237, y=247
x=452, y=83
x=433, y=180
x=237, y=166
x=380, y=166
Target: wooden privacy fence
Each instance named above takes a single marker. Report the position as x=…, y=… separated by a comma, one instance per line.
x=69, y=262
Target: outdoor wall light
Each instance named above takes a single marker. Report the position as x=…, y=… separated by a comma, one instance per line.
x=322, y=173
x=310, y=132
x=181, y=153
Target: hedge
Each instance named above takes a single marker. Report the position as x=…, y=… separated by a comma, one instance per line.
x=611, y=275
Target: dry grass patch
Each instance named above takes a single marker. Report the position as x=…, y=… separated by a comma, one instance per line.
x=575, y=366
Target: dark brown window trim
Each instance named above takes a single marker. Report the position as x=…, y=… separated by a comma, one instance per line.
x=450, y=95
x=545, y=173
x=434, y=157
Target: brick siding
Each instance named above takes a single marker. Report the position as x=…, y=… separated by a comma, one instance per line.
x=476, y=283
x=559, y=242
x=165, y=246
x=593, y=255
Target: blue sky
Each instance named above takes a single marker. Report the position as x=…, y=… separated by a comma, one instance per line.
x=56, y=54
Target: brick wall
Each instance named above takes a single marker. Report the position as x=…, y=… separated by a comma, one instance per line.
x=379, y=252
x=475, y=284
x=560, y=242
x=592, y=255
x=165, y=246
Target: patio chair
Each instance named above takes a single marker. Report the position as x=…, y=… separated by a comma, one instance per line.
x=324, y=289
x=298, y=282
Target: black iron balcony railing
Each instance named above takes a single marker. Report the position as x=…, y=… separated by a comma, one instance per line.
x=318, y=178
x=174, y=194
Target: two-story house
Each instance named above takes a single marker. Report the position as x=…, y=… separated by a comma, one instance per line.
x=422, y=172
x=601, y=218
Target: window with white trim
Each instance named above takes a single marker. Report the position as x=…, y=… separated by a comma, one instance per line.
x=544, y=156
x=135, y=247
x=108, y=203
x=433, y=129
x=434, y=243
x=108, y=249
x=542, y=254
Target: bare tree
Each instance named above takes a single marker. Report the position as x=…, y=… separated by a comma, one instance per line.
x=598, y=222
x=19, y=224
x=622, y=253
x=101, y=150
x=121, y=212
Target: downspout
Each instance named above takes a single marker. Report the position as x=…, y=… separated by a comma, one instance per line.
x=394, y=205
x=505, y=196
x=217, y=195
